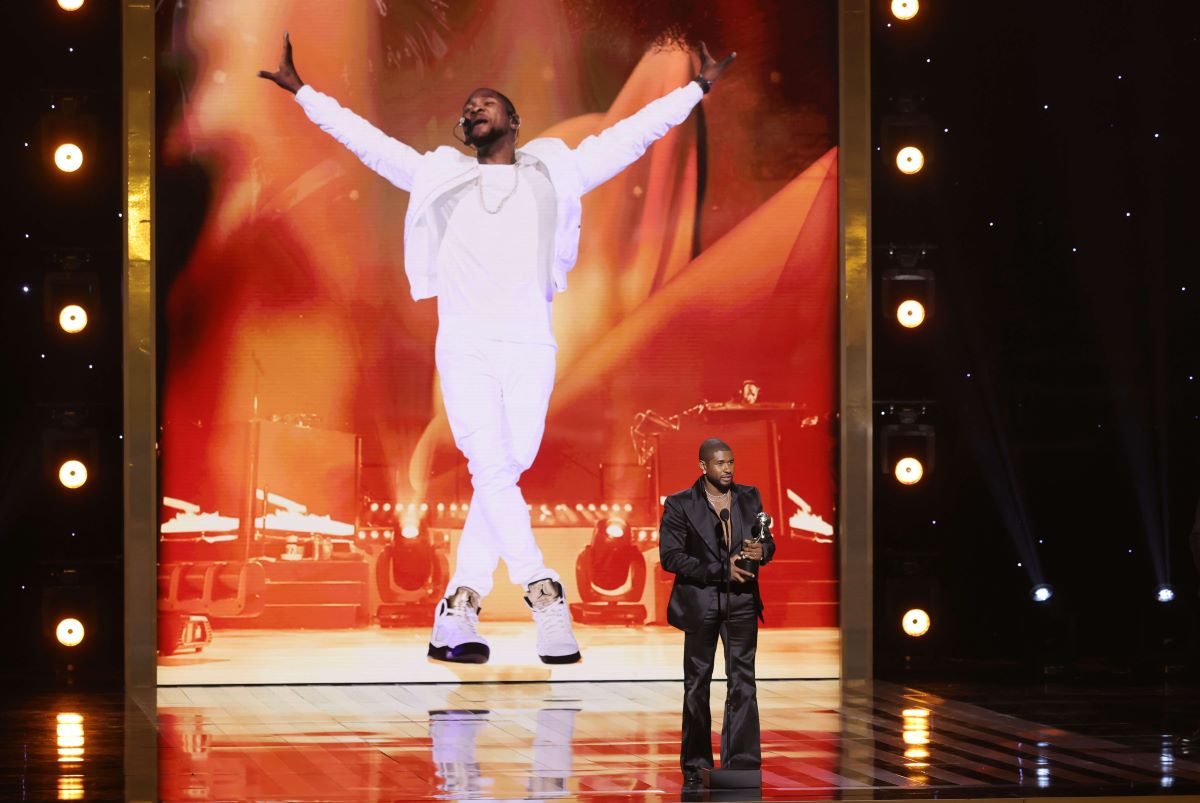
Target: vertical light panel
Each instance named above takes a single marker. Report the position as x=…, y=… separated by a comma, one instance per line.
x=855, y=478
x=140, y=416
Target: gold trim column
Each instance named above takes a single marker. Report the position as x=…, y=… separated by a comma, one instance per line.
x=856, y=476
x=140, y=415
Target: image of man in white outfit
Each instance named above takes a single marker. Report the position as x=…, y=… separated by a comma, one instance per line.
x=492, y=237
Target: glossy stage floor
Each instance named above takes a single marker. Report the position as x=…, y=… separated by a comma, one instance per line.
x=599, y=741
x=372, y=655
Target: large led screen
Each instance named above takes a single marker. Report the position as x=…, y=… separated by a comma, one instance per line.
x=315, y=494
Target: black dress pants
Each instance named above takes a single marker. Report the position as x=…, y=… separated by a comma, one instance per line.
x=735, y=621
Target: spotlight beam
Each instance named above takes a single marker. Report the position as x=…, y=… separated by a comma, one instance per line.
x=1137, y=372
x=987, y=438
x=1147, y=460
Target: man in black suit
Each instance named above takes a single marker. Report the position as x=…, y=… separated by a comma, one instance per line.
x=704, y=530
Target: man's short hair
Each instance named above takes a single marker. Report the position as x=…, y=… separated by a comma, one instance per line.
x=508, y=104
x=711, y=446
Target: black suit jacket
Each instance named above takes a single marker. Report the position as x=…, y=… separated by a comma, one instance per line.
x=690, y=546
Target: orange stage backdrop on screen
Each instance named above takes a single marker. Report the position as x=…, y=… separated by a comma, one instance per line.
x=313, y=494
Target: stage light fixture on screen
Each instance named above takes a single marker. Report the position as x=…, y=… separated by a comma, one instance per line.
x=1041, y=593
x=68, y=132
x=907, y=137
x=73, y=474
x=69, y=632
x=909, y=471
x=910, y=313
x=910, y=160
x=906, y=440
x=70, y=291
x=1164, y=594
x=73, y=319
x=70, y=5
x=907, y=285
x=70, y=617
x=68, y=157
x=905, y=9
x=610, y=576
x=411, y=573
x=915, y=622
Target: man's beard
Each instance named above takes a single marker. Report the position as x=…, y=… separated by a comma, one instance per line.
x=491, y=137
x=721, y=485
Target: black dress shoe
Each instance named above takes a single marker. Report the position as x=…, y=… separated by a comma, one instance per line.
x=693, y=779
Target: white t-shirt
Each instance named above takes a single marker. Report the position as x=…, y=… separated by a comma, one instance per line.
x=492, y=282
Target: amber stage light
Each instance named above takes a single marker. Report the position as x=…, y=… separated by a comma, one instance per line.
x=68, y=157
x=73, y=319
x=910, y=313
x=69, y=632
x=915, y=622
x=70, y=787
x=905, y=9
x=70, y=739
x=910, y=159
x=72, y=474
x=909, y=470
x=75, y=5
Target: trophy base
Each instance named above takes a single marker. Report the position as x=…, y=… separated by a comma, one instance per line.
x=722, y=778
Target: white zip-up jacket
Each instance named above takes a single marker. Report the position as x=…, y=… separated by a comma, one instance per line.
x=435, y=178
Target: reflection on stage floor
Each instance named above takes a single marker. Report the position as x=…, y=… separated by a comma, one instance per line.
x=596, y=741
x=620, y=741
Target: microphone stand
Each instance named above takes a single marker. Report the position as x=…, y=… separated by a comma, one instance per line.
x=726, y=555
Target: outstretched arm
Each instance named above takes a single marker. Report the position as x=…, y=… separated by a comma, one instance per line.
x=286, y=76
x=710, y=68
x=387, y=156
x=606, y=154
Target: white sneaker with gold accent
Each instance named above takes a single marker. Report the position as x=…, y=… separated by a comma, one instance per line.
x=555, y=640
x=455, y=636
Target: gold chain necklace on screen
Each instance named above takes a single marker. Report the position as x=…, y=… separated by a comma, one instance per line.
x=504, y=200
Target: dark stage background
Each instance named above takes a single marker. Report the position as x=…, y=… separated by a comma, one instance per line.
x=61, y=237
x=1061, y=361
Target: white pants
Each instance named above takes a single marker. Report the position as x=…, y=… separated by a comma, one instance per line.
x=496, y=396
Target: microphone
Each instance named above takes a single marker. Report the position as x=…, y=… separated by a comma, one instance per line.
x=465, y=138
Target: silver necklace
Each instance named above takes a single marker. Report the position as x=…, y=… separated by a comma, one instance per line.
x=717, y=498
x=504, y=200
